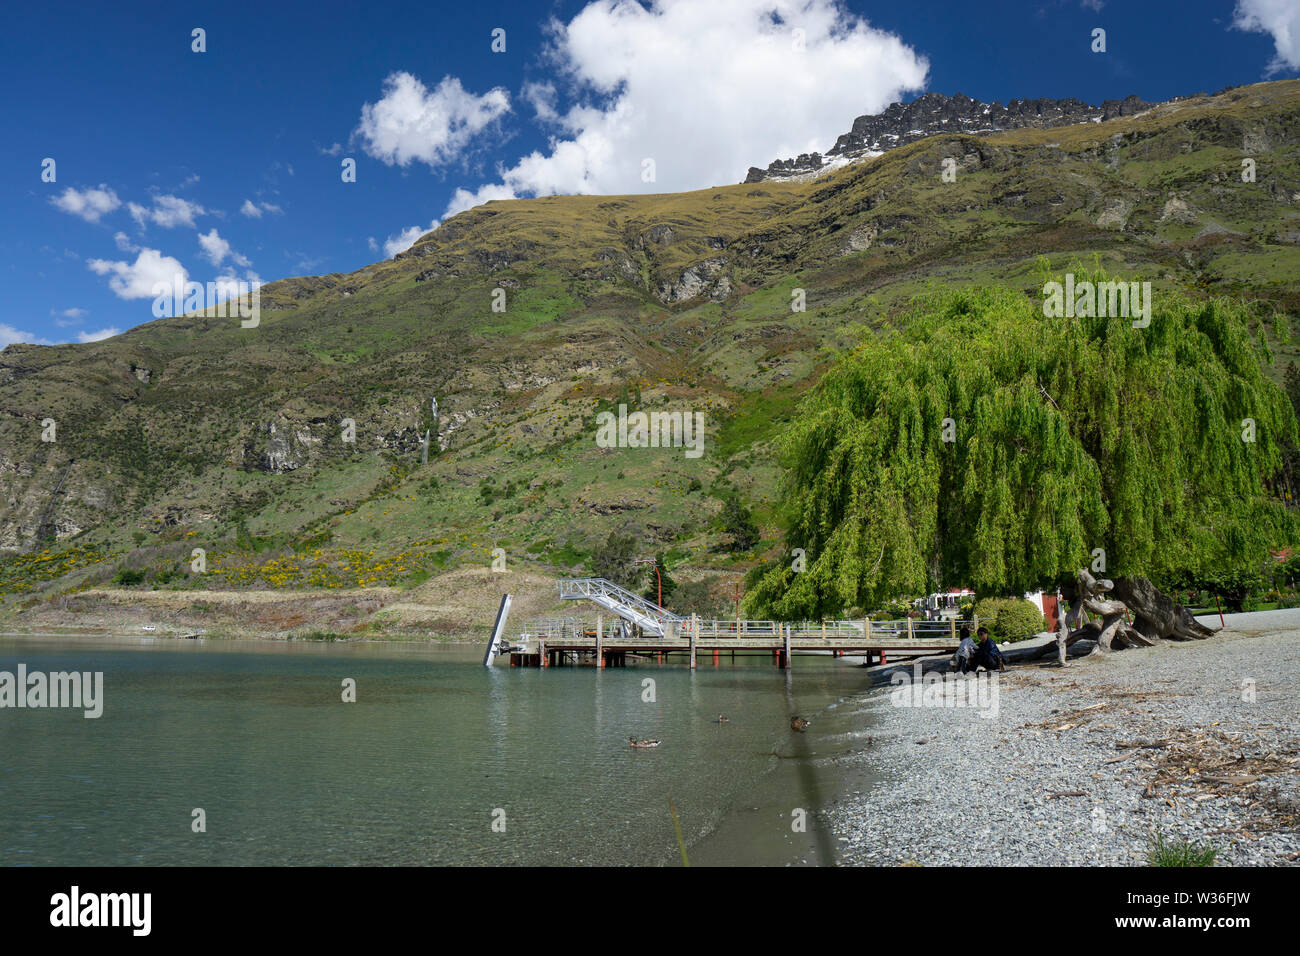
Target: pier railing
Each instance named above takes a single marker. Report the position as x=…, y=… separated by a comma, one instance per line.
x=923, y=630
x=558, y=628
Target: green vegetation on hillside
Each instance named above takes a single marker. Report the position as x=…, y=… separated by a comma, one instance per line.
x=183, y=431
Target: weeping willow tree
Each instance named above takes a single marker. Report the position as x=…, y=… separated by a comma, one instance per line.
x=986, y=444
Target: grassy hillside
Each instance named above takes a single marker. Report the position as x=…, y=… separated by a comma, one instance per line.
x=192, y=432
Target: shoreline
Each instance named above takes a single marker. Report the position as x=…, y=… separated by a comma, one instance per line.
x=252, y=636
x=1086, y=765
x=456, y=605
x=1081, y=766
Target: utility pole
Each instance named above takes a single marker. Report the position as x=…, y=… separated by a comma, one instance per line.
x=653, y=562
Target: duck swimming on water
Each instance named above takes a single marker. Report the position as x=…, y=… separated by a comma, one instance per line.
x=799, y=723
x=642, y=744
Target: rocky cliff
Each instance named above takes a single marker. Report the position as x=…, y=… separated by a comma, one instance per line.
x=934, y=113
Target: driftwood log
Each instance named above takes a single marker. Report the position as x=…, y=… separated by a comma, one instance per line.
x=1156, y=617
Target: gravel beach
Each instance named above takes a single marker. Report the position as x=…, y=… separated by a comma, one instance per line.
x=1086, y=765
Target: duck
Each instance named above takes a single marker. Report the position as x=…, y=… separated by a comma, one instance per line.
x=799, y=723
x=642, y=744
x=722, y=720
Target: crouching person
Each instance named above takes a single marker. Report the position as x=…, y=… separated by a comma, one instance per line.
x=965, y=650
x=986, y=652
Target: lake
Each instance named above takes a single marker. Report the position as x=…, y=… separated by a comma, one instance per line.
x=415, y=772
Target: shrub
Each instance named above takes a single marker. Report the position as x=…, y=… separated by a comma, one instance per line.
x=1184, y=853
x=1010, y=618
x=166, y=575
x=613, y=559
x=897, y=609
x=128, y=577
x=738, y=524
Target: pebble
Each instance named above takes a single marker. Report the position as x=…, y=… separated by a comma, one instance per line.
x=976, y=793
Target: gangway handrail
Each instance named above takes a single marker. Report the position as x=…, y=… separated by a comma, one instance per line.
x=574, y=588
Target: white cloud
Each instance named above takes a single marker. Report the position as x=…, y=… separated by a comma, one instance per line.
x=135, y=280
x=216, y=250
x=405, y=239
x=463, y=199
x=411, y=123
x=706, y=90
x=254, y=210
x=89, y=204
x=124, y=242
x=168, y=212
x=66, y=317
x=1281, y=18
x=303, y=264
x=9, y=336
x=374, y=246
x=229, y=285
x=99, y=336
x=541, y=97
x=334, y=150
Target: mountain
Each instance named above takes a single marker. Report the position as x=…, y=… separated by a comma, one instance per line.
x=192, y=432
x=933, y=114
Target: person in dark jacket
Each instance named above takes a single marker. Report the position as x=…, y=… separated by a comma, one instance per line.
x=986, y=652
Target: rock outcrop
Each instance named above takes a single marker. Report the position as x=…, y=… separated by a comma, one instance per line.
x=934, y=113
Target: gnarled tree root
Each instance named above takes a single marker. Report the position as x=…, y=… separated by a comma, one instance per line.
x=1156, y=617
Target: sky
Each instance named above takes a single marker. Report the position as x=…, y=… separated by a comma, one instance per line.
x=133, y=157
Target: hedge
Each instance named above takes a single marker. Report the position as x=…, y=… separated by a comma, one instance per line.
x=1010, y=619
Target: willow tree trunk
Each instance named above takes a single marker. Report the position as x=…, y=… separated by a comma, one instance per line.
x=1156, y=617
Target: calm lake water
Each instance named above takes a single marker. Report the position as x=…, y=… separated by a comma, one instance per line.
x=256, y=734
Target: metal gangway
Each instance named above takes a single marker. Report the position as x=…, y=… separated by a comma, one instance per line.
x=647, y=615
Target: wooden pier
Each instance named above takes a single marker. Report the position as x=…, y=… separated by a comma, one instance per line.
x=628, y=628
x=569, y=642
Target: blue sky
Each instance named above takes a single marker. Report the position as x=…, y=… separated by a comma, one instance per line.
x=228, y=162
